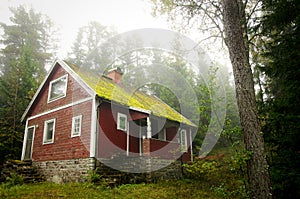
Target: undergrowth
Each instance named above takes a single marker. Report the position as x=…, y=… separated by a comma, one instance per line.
x=225, y=173
x=166, y=189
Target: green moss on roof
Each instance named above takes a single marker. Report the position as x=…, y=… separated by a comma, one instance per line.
x=107, y=89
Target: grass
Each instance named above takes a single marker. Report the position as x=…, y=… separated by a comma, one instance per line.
x=215, y=178
x=165, y=189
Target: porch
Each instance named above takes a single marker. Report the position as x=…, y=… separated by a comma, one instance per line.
x=138, y=134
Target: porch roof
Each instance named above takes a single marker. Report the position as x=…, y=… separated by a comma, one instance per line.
x=107, y=89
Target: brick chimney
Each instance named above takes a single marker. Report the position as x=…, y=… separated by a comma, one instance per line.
x=115, y=74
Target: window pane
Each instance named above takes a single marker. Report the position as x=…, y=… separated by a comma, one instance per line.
x=49, y=133
x=122, y=123
x=30, y=133
x=76, y=126
x=49, y=129
x=27, y=155
x=183, y=140
x=58, y=88
x=29, y=140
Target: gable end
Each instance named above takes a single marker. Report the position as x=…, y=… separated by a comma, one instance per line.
x=53, y=68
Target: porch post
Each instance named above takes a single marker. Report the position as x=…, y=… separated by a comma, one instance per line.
x=94, y=128
x=140, y=138
x=148, y=127
x=191, y=145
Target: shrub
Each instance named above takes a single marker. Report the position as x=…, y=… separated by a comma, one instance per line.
x=14, y=179
x=200, y=169
x=225, y=175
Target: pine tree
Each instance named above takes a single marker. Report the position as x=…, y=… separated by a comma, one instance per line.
x=281, y=110
x=23, y=58
x=89, y=50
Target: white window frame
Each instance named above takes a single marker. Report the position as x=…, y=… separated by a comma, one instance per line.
x=121, y=115
x=183, y=142
x=64, y=92
x=45, y=131
x=73, y=126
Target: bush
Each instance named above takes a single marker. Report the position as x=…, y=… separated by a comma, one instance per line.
x=225, y=175
x=201, y=169
x=14, y=179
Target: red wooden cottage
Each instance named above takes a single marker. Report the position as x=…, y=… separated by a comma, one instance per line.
x=77, y=116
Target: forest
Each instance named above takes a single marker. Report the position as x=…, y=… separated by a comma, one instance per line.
x=257, y=154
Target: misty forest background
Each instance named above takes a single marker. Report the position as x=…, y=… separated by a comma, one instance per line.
x=29, y=43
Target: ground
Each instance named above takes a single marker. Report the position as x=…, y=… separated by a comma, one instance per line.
x=220, y=175
x=169, y=189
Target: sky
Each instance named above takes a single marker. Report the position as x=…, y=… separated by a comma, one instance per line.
x=70, y=15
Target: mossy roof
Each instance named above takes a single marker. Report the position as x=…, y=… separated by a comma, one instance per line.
x=107, y=89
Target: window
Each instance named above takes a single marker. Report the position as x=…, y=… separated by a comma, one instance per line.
x=49, y=129
x=122, y=122
x=162, y=135
x=183, y=140
x=76, y=126
x=57, y=88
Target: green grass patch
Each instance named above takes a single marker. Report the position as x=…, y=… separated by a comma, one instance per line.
x=165, y=189
x=221, y=175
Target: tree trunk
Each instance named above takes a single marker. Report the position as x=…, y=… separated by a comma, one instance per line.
x=235, y=30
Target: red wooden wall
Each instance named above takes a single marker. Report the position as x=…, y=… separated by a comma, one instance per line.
x=64, y=147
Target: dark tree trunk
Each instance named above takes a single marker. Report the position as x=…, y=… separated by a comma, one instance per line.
x=236, y=41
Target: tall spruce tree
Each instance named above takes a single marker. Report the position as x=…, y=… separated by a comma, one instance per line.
x=281, y=110
x=26, y=49
x=89, y=50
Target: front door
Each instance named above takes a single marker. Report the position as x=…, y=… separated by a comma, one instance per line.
x=29, y=143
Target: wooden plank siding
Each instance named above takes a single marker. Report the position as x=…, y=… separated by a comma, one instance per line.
x=64, y=147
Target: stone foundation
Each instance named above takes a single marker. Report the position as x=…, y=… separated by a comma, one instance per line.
x=169, y=171
x=139, y=169
x=61, y=171
x=124, y=170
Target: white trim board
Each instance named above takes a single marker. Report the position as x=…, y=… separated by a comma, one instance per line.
x=140, y=110
x=127, y=139
x=60, y=108
x=24, y=141
x=94, y=128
